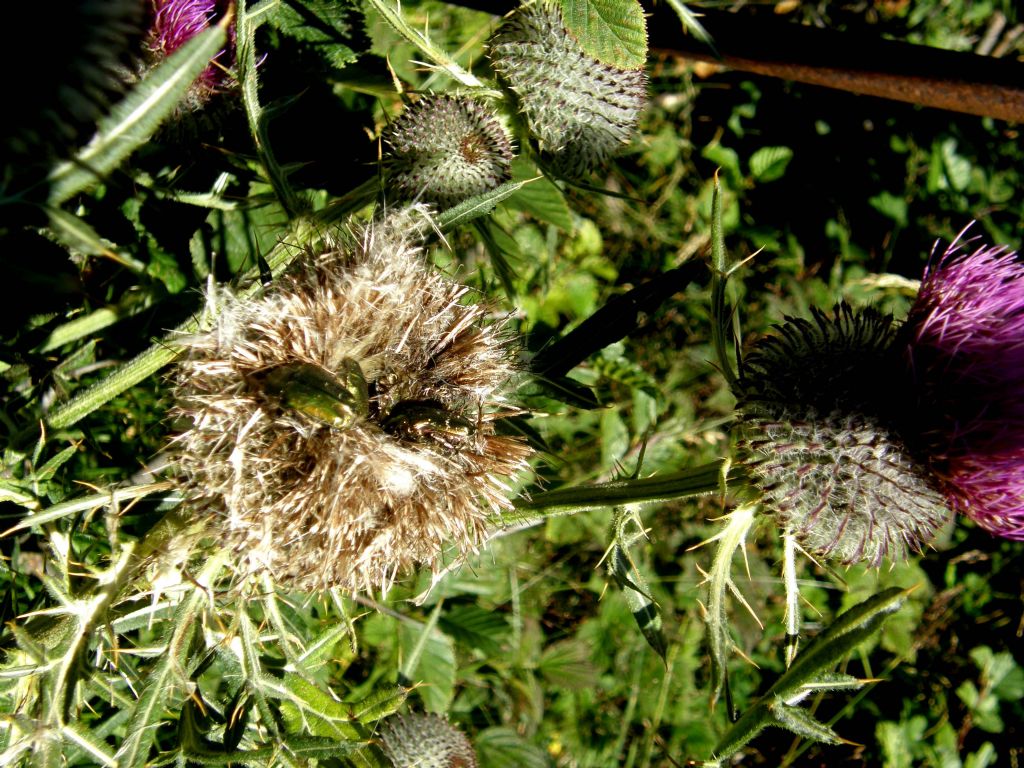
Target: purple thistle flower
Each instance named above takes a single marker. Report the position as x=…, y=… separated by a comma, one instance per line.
x=964, y=352
x=174, y=23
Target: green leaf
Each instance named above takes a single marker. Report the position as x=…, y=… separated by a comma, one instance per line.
x=567, y=664
x=691, y=23
x=136, y=118
x=76, y=235
x=392, y=14
x=164, y=267
x=891, y=206
x=435, y=673
x=612, y=31
x=690, y=482
x=984, y=757
x=541, y=197
x=770, y=163
x=614, y=437
x=323, y=25
x=830, y=647
x=502, y=747
x=162, y=681
x=899, y=740
x=47, y=471
x=379, y=704
x=476, y=627
x=305, y=707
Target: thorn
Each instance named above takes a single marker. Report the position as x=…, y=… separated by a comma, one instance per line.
x=792, y=646
x=742, y=655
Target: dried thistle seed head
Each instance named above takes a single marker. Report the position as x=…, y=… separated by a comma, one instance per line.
x=818, y=433
x=445, y=149
x=310, y=478
x=963, y=349
x=581, y=111
x=426, y=741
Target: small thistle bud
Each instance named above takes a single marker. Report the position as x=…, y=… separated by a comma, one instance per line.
x=444, y=150
x=426, y=741
x=174, y=23
x=342, y=425
x=963, y=349
x=818, y=429
x=581, y=111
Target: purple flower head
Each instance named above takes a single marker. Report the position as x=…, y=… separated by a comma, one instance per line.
x=965, y=356
x=175, y=22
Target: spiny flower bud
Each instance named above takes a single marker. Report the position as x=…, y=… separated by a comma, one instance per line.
x=963, y=349
x=426, y=741
x=445, y=149
x=342, y=425
x=819, y=432
x=581, y=111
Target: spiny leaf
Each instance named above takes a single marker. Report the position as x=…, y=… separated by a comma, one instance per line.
x=135, y=119
x=379, y=704
x=800, y=722
x=306, y=707
x=811, y=668
x=160, y=682
x=634, y=586
x=697, y=481
x=392, y=14
x=477, y=206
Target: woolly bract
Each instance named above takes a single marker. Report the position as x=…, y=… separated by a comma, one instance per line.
x=426, y=741
x=444, y=150
x=819, y=432
x=581, y=111
x=317, y=506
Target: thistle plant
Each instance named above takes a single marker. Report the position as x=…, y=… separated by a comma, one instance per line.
x=336, y=491
x=581, y=111
x=819, y=428
x=445, y=149
x=864, y=435
x=342, y=426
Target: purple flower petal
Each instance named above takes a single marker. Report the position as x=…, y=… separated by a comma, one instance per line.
x=965, y=353
x=175, y=22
